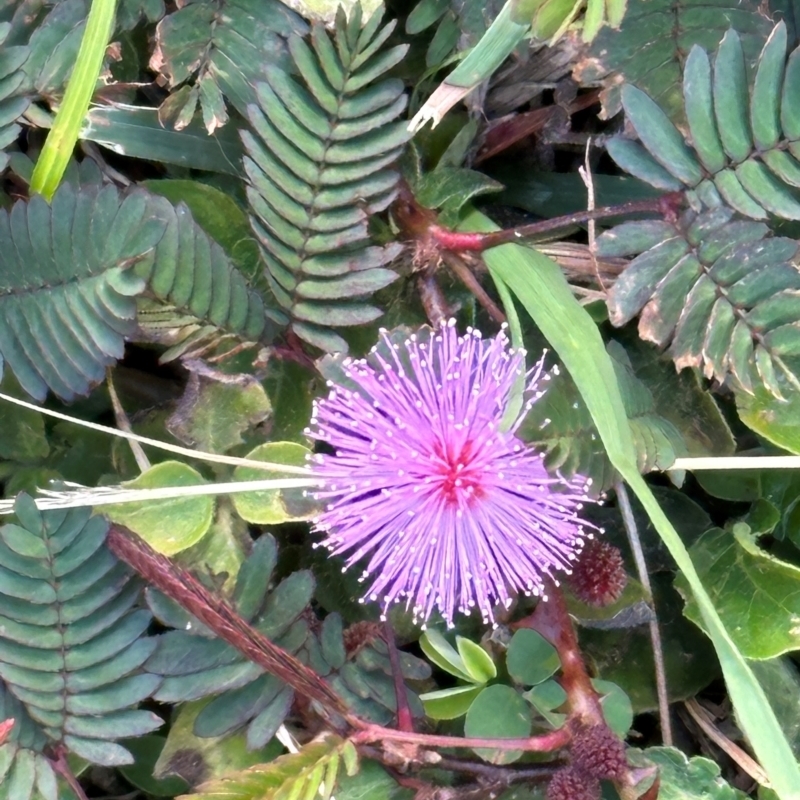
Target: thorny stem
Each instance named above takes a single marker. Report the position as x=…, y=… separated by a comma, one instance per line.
x=182, y=587
x=629, y=522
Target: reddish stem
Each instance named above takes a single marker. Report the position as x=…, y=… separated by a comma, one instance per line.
x=551, y=619
x=61, y=766
x=546, y=743
x=447, y=239
x=405, y=721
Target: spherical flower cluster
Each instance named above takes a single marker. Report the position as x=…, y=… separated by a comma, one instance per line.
x=449, y=508
x=599, y=577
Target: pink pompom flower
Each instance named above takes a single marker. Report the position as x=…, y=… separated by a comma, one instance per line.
x=449, y=509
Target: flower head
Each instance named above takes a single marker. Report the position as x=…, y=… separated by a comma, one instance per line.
x=451, y=510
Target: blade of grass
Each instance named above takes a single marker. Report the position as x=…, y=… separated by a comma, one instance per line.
x=499, y=41
x=62, y=137
x=542, y=289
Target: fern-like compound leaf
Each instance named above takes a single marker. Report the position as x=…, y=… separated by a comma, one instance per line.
x=216, y=50
x=72, y=272
x=194, y=276
x=745, y=144
x=72, y=643
x=649, y=48
x=319, y=164
x=721, y=291
x=25, y=772
x=67, y=293
x=13, y=103
x=309, y=773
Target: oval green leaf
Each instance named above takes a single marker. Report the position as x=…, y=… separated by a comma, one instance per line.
x=498, y=712
x=171, y=525
x=449, y=703
x=531, y=659
x=477, y=661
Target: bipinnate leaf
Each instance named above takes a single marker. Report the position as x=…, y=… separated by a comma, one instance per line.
x=543, y=291
x=13, y=99
x=561, y=424
x=70, y=659
x=243, y=696
x=754, y=592
x=722, y=292
x=216, y=51
x=311, y=772
x=744, y=141
x=190, y=273
x=67, y=290
x=318, y=165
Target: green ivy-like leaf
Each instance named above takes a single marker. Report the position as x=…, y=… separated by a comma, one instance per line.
x=754, y=592
x=195, y=759
x=319, y=164
x=682, y=778
x=774, y=419
x=171, y=525
x=276, y=506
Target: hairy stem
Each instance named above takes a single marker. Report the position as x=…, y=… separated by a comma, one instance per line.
x=546, y=743
x=182, y=587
